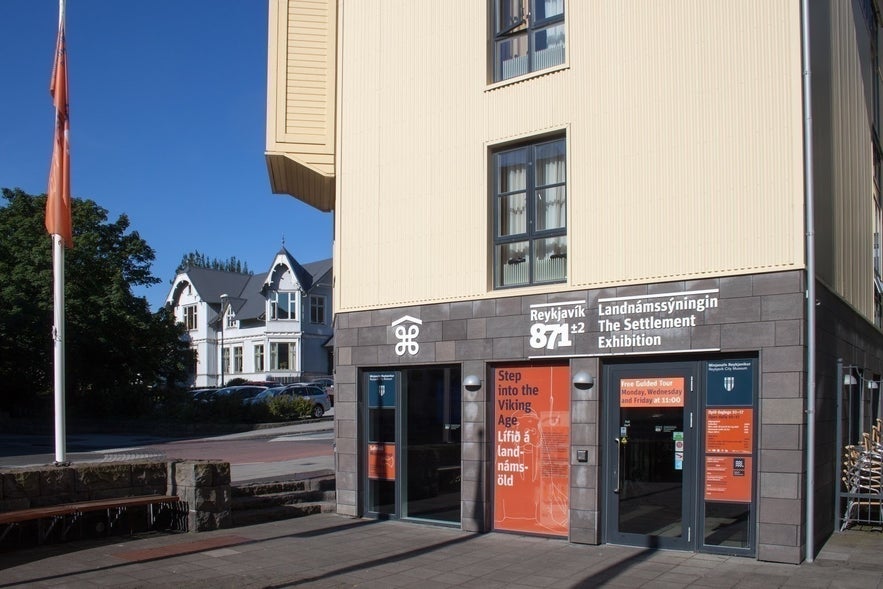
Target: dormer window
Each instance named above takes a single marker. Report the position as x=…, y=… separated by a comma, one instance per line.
x=283, y=305
x=190, y=315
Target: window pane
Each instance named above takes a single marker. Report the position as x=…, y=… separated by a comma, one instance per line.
x=282, y=302
x=512, y=213
x=511, y=264
x=551, y=163
x=512, y=171
x=282, y=356
x=259, y=358
x=508, y=14
x=511, y=57
x=550, y=259
x=543, y=9
x=548, y=46
x=551, y=210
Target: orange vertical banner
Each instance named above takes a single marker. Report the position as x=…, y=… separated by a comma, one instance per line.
x=58, y=202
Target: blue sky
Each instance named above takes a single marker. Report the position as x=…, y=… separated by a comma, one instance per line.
x=168, y=115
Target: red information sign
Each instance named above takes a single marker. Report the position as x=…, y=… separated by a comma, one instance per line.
x=651, y=392
x=532, y=449
x=728, y=478
x=729, y=430
x=382, y=461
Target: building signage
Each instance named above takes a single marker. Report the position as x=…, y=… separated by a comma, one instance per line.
x=728, y=478
x=532, y=449
x=553, y=323
x=406, y=330
x=637, y=324
x=623, y=325
x=382, y=390
x=651, y=392
x=729, y=431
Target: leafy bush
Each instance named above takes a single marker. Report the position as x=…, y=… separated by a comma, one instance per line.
x=287, y=407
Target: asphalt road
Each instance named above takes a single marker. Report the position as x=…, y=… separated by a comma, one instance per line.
x=264, y=453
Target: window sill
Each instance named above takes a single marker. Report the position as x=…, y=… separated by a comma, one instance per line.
x=524, y=77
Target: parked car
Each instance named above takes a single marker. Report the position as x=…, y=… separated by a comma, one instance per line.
x=202, y=395
x=319, y=399
x=241, y=392
x=328, y=385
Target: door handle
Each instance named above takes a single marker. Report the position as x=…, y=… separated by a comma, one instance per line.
x=616, y=472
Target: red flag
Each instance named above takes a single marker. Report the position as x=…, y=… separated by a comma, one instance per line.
x=58, y=203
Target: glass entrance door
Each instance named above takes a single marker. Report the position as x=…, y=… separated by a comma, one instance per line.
x=411, y=449
x=650, y=454
x=431, y=432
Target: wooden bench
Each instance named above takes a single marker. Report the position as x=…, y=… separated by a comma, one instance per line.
x=64, y=516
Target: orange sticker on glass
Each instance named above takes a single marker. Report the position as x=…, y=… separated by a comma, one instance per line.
x=382, y=461
x=729, y=431
x=728, y=478
x=651, y=392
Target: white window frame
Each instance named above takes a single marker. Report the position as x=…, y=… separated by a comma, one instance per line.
x=190, y=317
x=280, y=300
x=237, y=360
x=291, y=356
x=259, y=357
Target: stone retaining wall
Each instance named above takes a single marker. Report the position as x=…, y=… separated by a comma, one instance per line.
x=204, y=485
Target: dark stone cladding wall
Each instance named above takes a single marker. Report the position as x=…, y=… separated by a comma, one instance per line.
x=845, y=335
x=759, y=314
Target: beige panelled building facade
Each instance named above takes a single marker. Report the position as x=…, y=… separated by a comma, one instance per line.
x=600, y=267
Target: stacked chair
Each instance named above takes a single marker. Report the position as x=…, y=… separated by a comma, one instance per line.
x=862, y=466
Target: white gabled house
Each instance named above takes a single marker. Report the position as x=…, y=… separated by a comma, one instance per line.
x=276, y=326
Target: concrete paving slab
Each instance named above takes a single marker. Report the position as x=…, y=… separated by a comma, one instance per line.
x=328, y=550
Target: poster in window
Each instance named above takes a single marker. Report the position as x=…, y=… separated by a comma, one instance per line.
x=532, y=449
x=651, y=392
x=728, y=478
x=382, y=461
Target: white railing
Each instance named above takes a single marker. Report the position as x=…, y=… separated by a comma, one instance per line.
x=516, y=66
x=548, y=57
x=545, y=270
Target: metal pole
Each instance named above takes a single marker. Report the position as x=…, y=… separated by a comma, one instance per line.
x=809, y=211
x=58, y=348
x=223, y=321
x=838, y=444
x=222, y=345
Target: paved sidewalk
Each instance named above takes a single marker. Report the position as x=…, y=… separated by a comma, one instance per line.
x=286, y=469
x=335, y=551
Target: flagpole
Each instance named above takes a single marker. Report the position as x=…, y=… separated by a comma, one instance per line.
x=58, y=344
x=58, y=314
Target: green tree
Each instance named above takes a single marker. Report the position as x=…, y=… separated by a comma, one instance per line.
x=197, y=259
x=117, y=350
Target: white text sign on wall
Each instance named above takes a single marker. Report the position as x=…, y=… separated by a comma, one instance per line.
x=633, y=324
x=644, y=321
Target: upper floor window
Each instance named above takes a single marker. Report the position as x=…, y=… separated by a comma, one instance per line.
x=528, y=36
x=530, y=214
x=283, y=305
x=229, y=318
x=190, y=317
x=317, y=309
x=237, y=359
x=259, y=357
